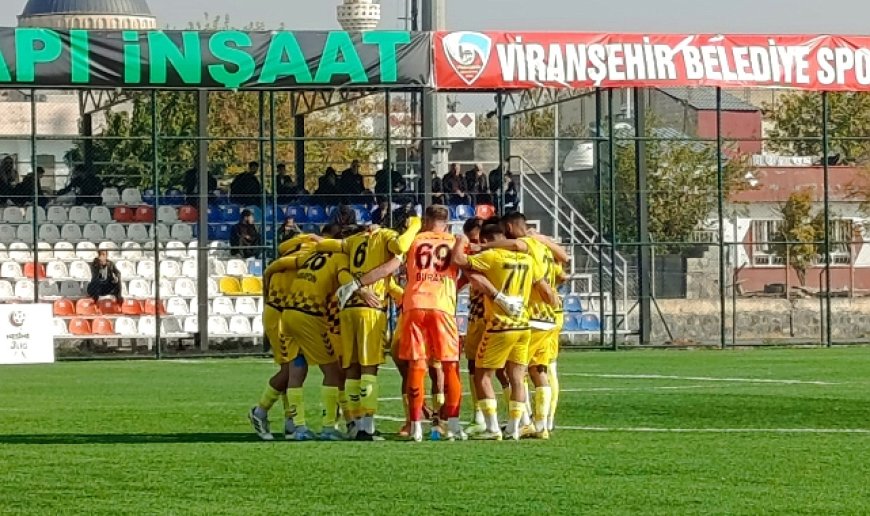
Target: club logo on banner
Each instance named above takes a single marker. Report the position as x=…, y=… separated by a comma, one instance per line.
x=468, y=54
x=26, y=335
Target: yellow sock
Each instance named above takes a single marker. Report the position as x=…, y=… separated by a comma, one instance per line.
x=438, y=403
x=285, y=402
x=553, y=378
x=269, y=398
x=489, y=407
x=369, y=394
x=543, y=398
x=344, y=405
x=297, y=405
x=516, y=410
x=329, y=400
x=352, y=387
x=407, y=407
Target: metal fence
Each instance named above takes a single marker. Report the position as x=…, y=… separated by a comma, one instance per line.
x=695, y=216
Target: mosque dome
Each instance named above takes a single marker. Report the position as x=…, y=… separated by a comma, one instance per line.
x=88, y=14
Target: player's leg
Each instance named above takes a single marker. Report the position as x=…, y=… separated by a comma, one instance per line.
x=352, y=370
x=539, y=358
x=402, y=367
x=295, y=426
x=436, y=379
x=470, y=345
x=259, y=414
x=491, y=356
x=501, y=376
x=444, y=335
x=517, y=368
x=553, y=372
x=371, y=334
x=416, y=394
x=412, y=349
x=332, y=378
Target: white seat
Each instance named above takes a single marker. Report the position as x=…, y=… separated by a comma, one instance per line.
x=167, y=214
x=213, y=288
x=40, y=214
x=64, y=251
x=116, y=233
x=86, y=251
x=240, y=325
x=167, y=288
x=60, y=329
x=183, y=232
x=193, y=249
x=257, y=325
x=126, y=268
x=126, y=326
x=163, y=233
x=177, y=306
x=6, y=291
x=176, y=250
x=11, y=270
x=93, y=233
x=148, y=326
x=194, y=306
x=20, y=252
x=24, y=290
x=111, y=196
x=246, y=306
x=191, y=325
x=79, y=215
x=170, y=269
x=146, y=269
x=139, y=288
x=56, y=270
x=170, y=326
x=237, y=268
x=80, y=271
x=131, y=251
x=219, y=249
x=25, y=233
x=45, y=251
x=13, y=214
x=7, y=233
x=137, y=233
x=216, y=267
x=112, y=248
x=49, y=233
x=101, y=215
x=260, y=304
x=131, y=197
x=185, y=287
x=4, y=253
x=218, y=326
x=71, y=233
x=57, y=214
x=223, y=306
x=71, y=289
x=189, y=269
x=49, y=290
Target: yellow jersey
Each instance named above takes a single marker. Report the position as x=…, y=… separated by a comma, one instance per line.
x=318, y=276
x=540, y=310
x=513, y=274
x=476, y=307
x=280, y=275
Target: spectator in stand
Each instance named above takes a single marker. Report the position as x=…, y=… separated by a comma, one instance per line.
x=387, y=181
x=327, y=188
x=352, y=185
x=437, y=190
x=191, y=187
x=23, y=191
x=8, y=179
x=343, y=216
x=288, y=229
x=459, y=198
x=245, y=238
x=381, y=214
x=105, y=278
x=511, y=193
x=85, y=185
x=401, y=215
x=288, y=191
x=478, y=185
x=454, y=181
x=246, y=190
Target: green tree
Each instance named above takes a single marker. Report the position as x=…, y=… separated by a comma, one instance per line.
x=799, y=115
x=796, y=240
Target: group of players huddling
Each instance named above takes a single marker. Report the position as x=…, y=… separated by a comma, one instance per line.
x=327, y=305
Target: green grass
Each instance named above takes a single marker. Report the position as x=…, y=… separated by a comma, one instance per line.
x=172, y=437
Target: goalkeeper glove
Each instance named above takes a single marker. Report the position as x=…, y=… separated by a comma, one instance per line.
x=512, y=305
x=346, y=291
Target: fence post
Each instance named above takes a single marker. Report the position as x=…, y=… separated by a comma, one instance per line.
x=202, y=254
x=155, y=178
x=644, y=263
x=599, y=180
x=273, y=150
x=720, y=212
x=827, y=217
x=388, y=161
x=611, y=150
x=34, y=219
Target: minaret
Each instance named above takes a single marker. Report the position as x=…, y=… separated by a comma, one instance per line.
x=359, y=15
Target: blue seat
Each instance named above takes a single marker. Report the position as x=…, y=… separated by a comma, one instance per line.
x=462, y=305
x=230, y=213
x=255, y=267
x=172, y=198
x=330, y=209
x=572, y=304
x=296, y=213
x=317, y=215
x=462, y=323
x=363, y=215
x=463, y=212
x=148, y=196
x=572, y=323
x=219, y=232
x=257, y=212
x=214, y=215
x=590, y=322
x=311, y=228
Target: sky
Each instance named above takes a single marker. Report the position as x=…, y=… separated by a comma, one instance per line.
x=728, y=16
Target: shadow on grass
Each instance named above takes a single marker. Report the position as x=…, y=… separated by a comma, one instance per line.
x=179, y=438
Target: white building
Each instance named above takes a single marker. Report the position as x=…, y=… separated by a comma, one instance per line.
x=88, y=14
x=359, y=15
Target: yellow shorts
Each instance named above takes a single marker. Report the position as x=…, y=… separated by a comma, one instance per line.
x=557, y=334
x=363, y=334
x=473, y=337
x=500, y=347
x=541, y=346
x=283, y=349
x=311, y=334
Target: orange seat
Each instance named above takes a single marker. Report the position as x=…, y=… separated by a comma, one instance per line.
x=64, y=308
x=108, y=307
x=188, y=214
x=80, y=327
x=131, y=307
x=103, y=327
x=485, y=211
x=87, y=306
x=124, y=214
x=144, y=214
x=150, y=307
x=34, y=271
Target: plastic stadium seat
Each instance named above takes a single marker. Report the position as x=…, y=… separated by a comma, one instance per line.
x=161, y=231
x=131, y=196
x=255, y=267
x=177, y=306
x=240, y=325
x=463, y=212
x=167, y=288
x=147, y=326
x=218, y=326
x=93, y=233
x=103, y=327
x=80, y=270
x=86, y=251
x=223, y=306
x=13, y=214
x=25, y=233
x=182, y=231
x=253, y=286
x=297, y=213
x=64, y=251
x=167, y=214
x=86, y=306
x=148, y=196
x=56, y=270
x=131, y=307
x=111, y=196
x=214, y=215
x=170, y=326
x=572, y=304
x=101, y=215
x=49, y=290
x=462, y=323
x=24, y=290
x=40, y=214
x=185, y=287
x=138, y=233
x=109, y=307
x=237, y=267
x=213, y=288
x=257, y=325
x=216, y=267
x=146, y=269
x=485, y=211
x=8, y=233
x=34, y=271
x=152, y=307
x=246, y=306
x=219, y=249
x=46, y=253
x=131, y=250
x=188, y=214
x=57, y=214
x=219, y=232
x=256, y=212
x=80, y=327
x=144, y=214
x=139, y=289
x=126, y=326
x=116, y=233
x=71, y=289
x=172, y=198
x=363, y=215
x=170, y=269
x=20, y=252
x=4, y=252
x=230, y=213
x=124, y=214
x=572, y=323
x=462, y=304
x=11, y=270
x=126, y=268
x=189, y=269
x=71, y=233
x=79, y=215
x=176, y=250
x=7, y=293
x=316, y=215
x=590, y=322
x=230, y=286
x=60, y=328
x=191, y=325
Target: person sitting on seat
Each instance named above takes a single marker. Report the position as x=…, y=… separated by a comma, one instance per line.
x=23, y=192
x=105, y=278
x=87, y=187
x=245, y=238
x=246, y=190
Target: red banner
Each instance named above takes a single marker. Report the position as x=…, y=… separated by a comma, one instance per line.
x=517, y=60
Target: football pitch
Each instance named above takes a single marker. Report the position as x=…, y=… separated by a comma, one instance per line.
x=653, y=432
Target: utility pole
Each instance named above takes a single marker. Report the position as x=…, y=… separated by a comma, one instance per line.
x=435, y=148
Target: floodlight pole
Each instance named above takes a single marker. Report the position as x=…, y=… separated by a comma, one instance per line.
x=202, y=244
x=434, y=110
x=644, y=262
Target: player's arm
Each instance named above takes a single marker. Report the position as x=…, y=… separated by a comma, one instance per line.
x=401, y=243
x=287, y=263
x=330, y=245
x=547, y=293
x=350, y=286
x=482, y=283
x=559, y=252
x=395, y=291
x=296, y=243
x=510, y=245
x=460, y=257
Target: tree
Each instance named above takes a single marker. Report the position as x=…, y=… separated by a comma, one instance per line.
x=799, y=115
x=796, y=240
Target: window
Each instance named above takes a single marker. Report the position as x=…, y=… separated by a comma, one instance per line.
x=763, y=233
x=841, y=234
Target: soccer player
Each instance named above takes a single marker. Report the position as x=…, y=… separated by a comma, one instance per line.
x=506, y=337
x=363, y=328
x=476, y=327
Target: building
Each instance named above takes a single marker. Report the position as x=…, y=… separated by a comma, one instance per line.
x=359, y=15
x=88, y=14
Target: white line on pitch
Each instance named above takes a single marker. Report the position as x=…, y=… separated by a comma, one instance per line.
x=698, y=378
x=601, y=389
